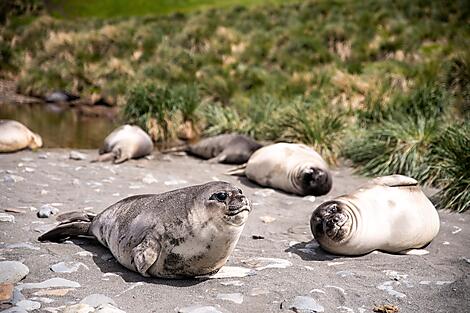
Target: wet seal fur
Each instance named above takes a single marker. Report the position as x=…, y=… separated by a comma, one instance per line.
x=124, y=143
x=15, y=136
x=186, y=232
x=226, y=148
x=294, y=168
x=391, y=213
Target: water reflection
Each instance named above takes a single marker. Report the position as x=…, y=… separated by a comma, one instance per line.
x=60, y=128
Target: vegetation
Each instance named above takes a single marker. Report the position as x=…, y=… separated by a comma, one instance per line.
x=386, y=85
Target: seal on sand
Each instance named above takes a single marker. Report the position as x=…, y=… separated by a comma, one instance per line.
x=226, y=148
x=124, y=143
x=181, y=233
x=391, y=213
x=15, y=136
x=290, y=167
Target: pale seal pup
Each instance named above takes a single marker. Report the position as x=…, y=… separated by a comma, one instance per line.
x=391, y=213
x=181, y=233
x=225, y=148
x=294, y=168
x=15, y=136
x=124, y=143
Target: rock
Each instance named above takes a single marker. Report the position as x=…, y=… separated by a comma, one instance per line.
x=29, y=305
x=309, y=198
x=17, y=296
x=305, y=304
x=108, y=308
x=79, y=308
x=267, y=219
x=232, y=283
x=198, y=309
x=14, y=210
x=15, y=309
x=260, y=263
x=50, y=283
x=149, y=179
x=9, y=178
x=12, y=272
x=8, y=218
x=6, y=292
x=53, y=292
x=67, y=267
x=21, y=245
x=47, y=210
x=96, y=300
x=232, y=272
x=75, y=155
x=60, y=96
x=234, y=297
x=258, y=292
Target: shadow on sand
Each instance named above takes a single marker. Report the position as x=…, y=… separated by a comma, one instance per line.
x=311, y=251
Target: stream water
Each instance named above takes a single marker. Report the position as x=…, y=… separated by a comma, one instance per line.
x=60, y=128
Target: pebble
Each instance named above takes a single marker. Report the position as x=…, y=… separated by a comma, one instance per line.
x=8, y=218
x=75, y=155
x=6, y=292
x=47, y=210
x=175, y=182
x=149, y=179
x=388, y=287
x=79, y=308
x=236, y=283
x=344, y=273
x=232, y=272
x=12, y=272
x=29, y=305
x=234, y=297
x=198, y=309
x=258, y=292
x=50, y=283
x=305, y=304
x=96, y=300
x=53, y=292
x=267, y=219
x=9, y=178
x=309, y=198
x=108, y=308
x=21, y=245
x=67, y=267
x=260, y=263
x=15, y=309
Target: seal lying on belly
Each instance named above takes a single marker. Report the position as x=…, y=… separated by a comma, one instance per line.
x=391, y=214
x=181, y=233
x=226, y=148
x=15, y=136
x=290, y=167
x=124, y=143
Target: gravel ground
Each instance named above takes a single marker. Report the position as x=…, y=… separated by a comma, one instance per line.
x=276, y=266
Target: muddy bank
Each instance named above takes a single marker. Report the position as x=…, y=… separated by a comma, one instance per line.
x=276, y=250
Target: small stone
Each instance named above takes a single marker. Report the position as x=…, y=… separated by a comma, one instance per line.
x=29, y=169
x=79, y=308
x=236, y=283
x=258, y=292
x=257, y=237
x=14, y=210
x=234, y=297
x=96, y=300
x=75, y=155
x=107, y=257
x=21, y=245
x=47, y=210
x=75, y=182
x=8, y=218
x=232, y=272
x=9, y=178
x=6, y=292
x=42, y=156
x=260, y=263
x=12, y=272
x=15, y=309
x=149, y=179
x=50, y=283
x=67, y=267
x=305, y=304
x=344, y=273
x=108, y=308
x=29, y=305
x=44, y=192
x=309, y=198
x=267, y=219
x=52, y=292
x=198, y=309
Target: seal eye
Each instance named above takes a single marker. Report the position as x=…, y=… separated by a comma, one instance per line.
x=219, y=196
x=240, y=191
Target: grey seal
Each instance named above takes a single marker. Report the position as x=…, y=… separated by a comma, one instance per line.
x=391, y=213
x=294, y=168
x=186, y=232
x=225, y=148
x=15, y=136
x=124, y=143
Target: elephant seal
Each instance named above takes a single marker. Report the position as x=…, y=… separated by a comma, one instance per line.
x=15, y=136
x=225, y=148
x=124, y=143
x=186, y=232
x=391, y=213
x=290, y=167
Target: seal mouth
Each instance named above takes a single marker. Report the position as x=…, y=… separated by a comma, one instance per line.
x=330, y=221
x=235, y=210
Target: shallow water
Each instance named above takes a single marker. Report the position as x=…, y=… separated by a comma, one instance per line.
x=60, y=128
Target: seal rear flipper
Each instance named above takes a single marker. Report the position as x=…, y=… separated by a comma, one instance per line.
x=75, y=217
x=145, y=255
x=104, y=157
x=66, y=230
x=395, y=181
x=182, y=148
x=237, y=171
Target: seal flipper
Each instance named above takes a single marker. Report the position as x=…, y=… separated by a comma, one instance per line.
x=72, y=224
x=237, y=171
x=146, y=254
x=395, y=181
x=104, y=157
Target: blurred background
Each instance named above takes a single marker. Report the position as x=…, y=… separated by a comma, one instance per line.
x=381, y=85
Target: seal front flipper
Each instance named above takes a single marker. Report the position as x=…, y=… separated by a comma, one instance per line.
x=77, y=224
x=237, y=171
x=395, y=181
x=146, y=254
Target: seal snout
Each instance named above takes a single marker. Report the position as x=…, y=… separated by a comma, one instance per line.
x=316, y=181
x=329, y=220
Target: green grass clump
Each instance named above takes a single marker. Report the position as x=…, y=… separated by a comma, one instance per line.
x=452, y=161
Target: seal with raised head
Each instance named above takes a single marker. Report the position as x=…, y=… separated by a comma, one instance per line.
x=391, y=213
x=294, y=168
x=15, y=136
x=181, y=233
x=124, y=143
x=225, y=148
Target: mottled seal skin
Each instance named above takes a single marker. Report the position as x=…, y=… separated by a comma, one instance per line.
x=391, y=213
x=15, y=136
x=124, y=143
x=226, y=148
x=294, y=168
x=182, y=233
